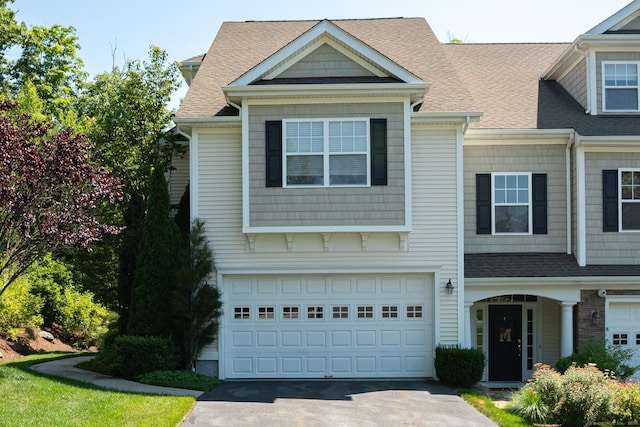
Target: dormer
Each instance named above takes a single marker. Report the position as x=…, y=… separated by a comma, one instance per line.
x=600, y=69
x=326, y=61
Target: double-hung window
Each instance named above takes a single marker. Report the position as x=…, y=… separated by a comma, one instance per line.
x=620, y=86
x=512, y=203
x=629, y=199
x=326, y=152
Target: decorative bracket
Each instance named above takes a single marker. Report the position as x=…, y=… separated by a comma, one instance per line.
x=365, y=240
x=404, y=241
x=251, y=239
x=326, y=237
x=289, y=237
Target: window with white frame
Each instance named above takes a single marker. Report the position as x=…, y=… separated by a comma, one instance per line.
x=326, y=152
x=620, y=86
x=512, y=212
x=629, y=199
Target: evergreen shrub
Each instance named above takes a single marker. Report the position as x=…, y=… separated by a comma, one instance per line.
x=461, y=367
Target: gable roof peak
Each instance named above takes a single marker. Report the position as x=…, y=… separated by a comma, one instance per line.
x=322, y=30
x=618, y=19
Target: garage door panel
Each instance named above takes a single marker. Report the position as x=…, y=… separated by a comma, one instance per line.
x=291, y=338
x=336, y=326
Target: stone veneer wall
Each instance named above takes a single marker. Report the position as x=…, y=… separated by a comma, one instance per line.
x=584, y=328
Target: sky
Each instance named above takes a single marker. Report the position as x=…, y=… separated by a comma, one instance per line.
x=187, y=28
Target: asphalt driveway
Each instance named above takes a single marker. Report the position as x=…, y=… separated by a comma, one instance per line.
x=332, y=403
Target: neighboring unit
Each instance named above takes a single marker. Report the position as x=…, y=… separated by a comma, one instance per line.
x=370, y=193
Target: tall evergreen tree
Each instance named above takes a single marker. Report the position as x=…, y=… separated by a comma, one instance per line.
x=157, y=264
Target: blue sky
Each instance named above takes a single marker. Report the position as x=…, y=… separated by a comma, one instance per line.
x=187, y=28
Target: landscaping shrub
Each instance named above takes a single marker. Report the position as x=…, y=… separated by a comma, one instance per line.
x=459, y=366
x=608, y=358
x=128, y=356
x=627, y=408
x=19, y=309
x=76, y=317
x=581, y=396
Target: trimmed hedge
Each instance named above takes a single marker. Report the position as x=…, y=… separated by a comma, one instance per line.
x=461, y=367
x=128, y=356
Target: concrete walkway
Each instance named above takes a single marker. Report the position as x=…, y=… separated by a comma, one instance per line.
x=66, y=368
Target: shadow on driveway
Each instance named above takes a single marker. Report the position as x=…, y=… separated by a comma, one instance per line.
x=331, y=403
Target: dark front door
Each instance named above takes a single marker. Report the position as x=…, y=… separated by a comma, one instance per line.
x=505, y=343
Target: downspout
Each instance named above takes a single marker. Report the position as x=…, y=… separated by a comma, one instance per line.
x=419, y=101
x=234, y=105
x=569, y=192
x=466, y=125
x=584, y=54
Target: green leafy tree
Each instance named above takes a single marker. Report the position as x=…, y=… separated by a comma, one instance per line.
x=157, y=265
x=129, y=117
x=197, y=304
x=10, y=32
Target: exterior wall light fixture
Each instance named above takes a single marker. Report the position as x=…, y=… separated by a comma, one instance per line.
x=449, y=287
x=595, y=317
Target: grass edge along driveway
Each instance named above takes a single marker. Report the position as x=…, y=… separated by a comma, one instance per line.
x=31, y=398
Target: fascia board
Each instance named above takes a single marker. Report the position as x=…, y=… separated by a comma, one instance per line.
x=445, y=117
x=317, y=31
x=414, y=90
x=614, y=20
x=481, y=136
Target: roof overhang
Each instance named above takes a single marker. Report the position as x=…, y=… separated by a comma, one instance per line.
x=414, y=91
x=619, y=19
x=578, y=50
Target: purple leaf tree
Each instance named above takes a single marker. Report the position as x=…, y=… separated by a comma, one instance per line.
x=51, y=183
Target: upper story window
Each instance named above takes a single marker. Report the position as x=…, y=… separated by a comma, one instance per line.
x=326, y=152
x=512, y=203
x=629, y=199
x=620, y=86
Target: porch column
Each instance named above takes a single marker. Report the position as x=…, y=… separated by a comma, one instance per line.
x=467, y=325
x=566, y=335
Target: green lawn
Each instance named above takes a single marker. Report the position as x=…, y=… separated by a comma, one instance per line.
x=28, y=398
x=484, y=404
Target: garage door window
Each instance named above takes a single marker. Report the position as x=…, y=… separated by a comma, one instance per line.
x=265, y=313
x=620, y=339
x=414, y=311
x=365, y=312
x=340, y=311
x=314, y=312
x=389, y=311
x=241, y=313
x=290, y=313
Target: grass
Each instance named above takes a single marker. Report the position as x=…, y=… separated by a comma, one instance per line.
x=179, y=379
x=484, y=405
x=30, y=398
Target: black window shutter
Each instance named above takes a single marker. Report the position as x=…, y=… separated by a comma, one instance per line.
x=539, y=195
x=378, y=135
x=273, y=162
x=483, y=203
x=610, y=200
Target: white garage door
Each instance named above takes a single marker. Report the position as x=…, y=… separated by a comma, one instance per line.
x=332, y=326
x=623, y=325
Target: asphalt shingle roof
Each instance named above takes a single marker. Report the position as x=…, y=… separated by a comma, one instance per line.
x=498, y=265
x=240, y=46
x=557, y=109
